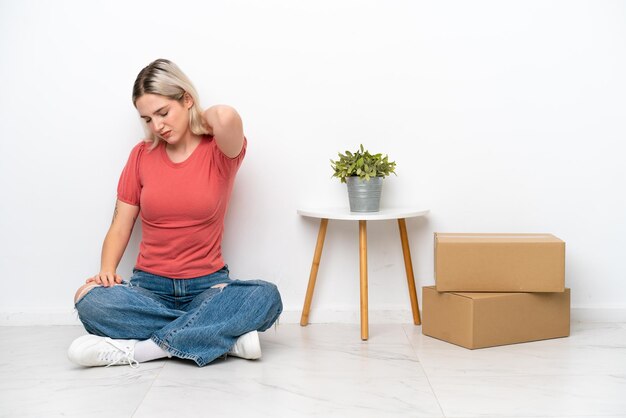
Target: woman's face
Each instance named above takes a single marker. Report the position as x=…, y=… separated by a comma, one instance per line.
x=167, y=119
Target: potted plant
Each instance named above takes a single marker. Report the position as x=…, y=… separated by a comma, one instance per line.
x=363, y=173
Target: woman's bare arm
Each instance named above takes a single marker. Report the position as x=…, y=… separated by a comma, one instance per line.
x=115, y=244
x=227, y=128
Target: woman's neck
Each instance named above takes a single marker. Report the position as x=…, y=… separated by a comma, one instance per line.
x=183, y=149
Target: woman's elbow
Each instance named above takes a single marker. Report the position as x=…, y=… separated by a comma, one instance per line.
x=228, y=117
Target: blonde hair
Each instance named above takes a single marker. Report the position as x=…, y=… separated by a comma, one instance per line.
x=164, y=78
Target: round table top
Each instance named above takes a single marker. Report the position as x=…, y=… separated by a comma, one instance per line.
x=345, y=214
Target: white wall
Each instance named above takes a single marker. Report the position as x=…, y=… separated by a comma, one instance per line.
x=502, y=117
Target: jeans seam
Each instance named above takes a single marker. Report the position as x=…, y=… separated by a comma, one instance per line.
x=174, y=351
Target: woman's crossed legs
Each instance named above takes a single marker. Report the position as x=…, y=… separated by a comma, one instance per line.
x=152, y=316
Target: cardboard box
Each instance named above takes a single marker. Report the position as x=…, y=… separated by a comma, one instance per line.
x=478, y=320
x=499, y=263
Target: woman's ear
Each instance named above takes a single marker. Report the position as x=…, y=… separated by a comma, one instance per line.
x=188, y=100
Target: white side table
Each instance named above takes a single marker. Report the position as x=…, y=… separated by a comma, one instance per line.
x=399, y=214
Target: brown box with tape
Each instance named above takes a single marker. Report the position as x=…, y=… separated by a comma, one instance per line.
x=467, y=262
x=478, y=320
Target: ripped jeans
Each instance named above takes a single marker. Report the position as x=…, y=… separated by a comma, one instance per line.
x=198, y=319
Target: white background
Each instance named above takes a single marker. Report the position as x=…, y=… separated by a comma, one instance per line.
x=501, y=116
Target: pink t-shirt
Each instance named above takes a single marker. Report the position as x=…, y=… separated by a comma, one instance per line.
x=183, y=206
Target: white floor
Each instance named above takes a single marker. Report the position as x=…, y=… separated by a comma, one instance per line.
x=326, y=371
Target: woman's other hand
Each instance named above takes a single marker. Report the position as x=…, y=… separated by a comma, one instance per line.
x=105, y=279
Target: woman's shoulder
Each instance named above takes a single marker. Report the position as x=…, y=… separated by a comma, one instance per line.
x=145, y=143
x=141, y=146
x=140, y=149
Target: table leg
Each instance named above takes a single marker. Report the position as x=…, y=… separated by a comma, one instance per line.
x=408, y=265
x=304, y=320
x=363, y=270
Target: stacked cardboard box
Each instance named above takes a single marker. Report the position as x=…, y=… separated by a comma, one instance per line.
x=496, y=289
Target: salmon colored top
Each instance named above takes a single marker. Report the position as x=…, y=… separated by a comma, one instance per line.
x=182, y=207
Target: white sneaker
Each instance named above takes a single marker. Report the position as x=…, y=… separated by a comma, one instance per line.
x=247, y=346
x=91, y=350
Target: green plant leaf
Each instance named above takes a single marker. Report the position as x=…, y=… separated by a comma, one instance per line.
x=362, y=164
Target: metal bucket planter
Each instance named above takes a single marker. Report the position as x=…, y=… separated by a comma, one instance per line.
x=364, y=195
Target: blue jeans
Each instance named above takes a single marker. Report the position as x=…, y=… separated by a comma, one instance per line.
x=188, y=318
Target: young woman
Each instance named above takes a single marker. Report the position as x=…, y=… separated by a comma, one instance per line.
x=180, y=300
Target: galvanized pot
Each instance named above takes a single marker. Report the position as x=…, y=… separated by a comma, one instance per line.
x=364, y=195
